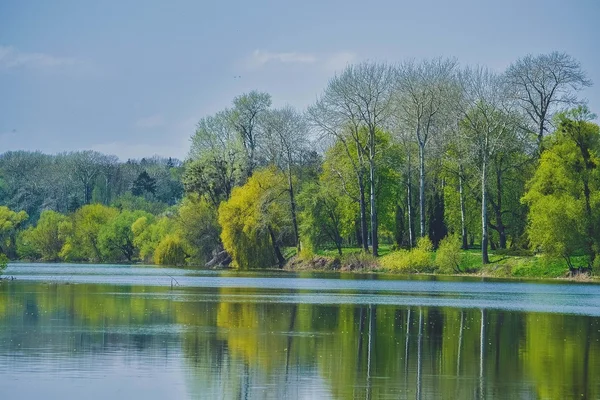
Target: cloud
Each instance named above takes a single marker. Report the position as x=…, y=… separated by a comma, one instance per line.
x=13, y=58
x=261, y=57
x=340, y=60
x=152, y=121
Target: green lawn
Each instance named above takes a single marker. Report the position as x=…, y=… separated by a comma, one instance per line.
x=503, y=263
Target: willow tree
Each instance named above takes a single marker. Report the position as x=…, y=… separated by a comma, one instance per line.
x=564, y=194
x=255, y=219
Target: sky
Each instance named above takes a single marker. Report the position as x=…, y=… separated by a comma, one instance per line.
x=132, y=78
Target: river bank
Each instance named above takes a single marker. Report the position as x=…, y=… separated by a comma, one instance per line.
x=502, y=265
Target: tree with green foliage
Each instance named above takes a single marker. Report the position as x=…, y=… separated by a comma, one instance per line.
x=10, y=222
x=324, y=218
x=197, y=224
x=116, y=237
x=83, y=233
x=564, y=194
x=171, y=251
x=256, y=220
x=143, y=185
x=46, y=240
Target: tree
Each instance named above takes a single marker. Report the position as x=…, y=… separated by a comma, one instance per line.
x=47, y=238
x=324, y=218
x=359, y=97
x=256, y=220
x=424, y=92
x=10, y=223
x=197, y=225
x=488, y=125
x=217, y=159
x=84, y=230
x=116, y=237
x=543, y=84
x=287, y=132
x=85, y=167
x=143, y=184
x=245, y=117
x=564, y=194
x=335, y=118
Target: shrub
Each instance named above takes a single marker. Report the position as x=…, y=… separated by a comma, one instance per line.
x=415, y=260
x=3, y=263
x=449, y=255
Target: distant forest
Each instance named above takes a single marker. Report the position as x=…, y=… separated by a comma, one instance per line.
x=33, y=181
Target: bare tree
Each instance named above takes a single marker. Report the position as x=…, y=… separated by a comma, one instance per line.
x=488, y=125
x=544, y=84
x=423, y=93
x=335, y=117
x=287, y=132
x=361, y=94
x=245, y=117
x=216, y=159
x=85, y=167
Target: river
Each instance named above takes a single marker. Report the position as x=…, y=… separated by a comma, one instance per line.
x=128, y=332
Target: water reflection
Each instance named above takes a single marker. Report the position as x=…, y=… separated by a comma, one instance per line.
x=125, y=341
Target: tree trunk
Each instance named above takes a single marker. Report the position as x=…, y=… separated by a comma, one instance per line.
x=422, y=188
x=293, y=207
x=364, y=232
x=280, y=258
x=484, y=223
x=463, y=211
x=498, y=209
x=411, y=224
x=374, y=239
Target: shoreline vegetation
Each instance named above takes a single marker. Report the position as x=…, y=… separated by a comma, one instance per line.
x=405, y=168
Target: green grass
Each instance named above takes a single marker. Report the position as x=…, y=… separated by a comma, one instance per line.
x=503, y=263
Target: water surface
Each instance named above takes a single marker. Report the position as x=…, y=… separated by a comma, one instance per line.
x=98, y=331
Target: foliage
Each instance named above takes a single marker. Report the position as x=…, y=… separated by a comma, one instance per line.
x=3, y=263
x=255, y=220
x=170, y=251
x=116, y=237
x=449, y=256
x=10, y=222
x=83, y=233
x=564, y=194
x=197, y=224
x=45, y=240
x=418, y=259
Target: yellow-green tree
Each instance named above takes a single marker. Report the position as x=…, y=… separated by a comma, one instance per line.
x=256, y=220
x=564, y=194
x=46, y=239
x=83, y=232
x=10, y=222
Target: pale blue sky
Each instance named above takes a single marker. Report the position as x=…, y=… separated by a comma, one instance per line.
x=132, y=78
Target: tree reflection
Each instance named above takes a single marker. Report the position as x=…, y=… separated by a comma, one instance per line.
x=236, y=343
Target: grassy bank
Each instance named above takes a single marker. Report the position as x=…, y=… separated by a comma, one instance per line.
x=503, y=264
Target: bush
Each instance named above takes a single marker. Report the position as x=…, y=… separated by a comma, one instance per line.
x=170, y=251
x=449, y=255
x=415, y=260
x=3, y=263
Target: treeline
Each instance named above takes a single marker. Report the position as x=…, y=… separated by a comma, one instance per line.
x=33, y=181
x=391, y=154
